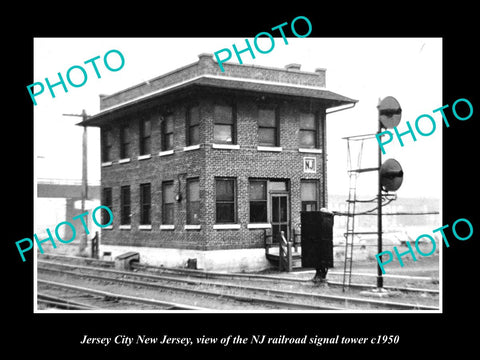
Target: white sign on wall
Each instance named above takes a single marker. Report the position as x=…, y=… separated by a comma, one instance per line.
x=309, y=164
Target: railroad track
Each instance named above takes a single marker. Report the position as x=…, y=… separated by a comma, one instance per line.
x=104, y=298
x=252, y=277
x=256, y=277
x=182, y=285
x=261, y=295
x=62, y=303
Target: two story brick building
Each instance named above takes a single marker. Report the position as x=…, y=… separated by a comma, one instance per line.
x=197, y=163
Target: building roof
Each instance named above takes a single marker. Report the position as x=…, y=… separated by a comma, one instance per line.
x=206, y=73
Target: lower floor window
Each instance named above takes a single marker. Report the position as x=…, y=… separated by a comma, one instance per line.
x=125, y=205
x=167, y=203
x=145, y=204
x=258, y=201
x=309, y=195
x=193, y=202
x=225, y=200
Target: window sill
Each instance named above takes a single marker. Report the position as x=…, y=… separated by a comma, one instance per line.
x=165, y=153
x=125, y=227
x=109, y=227
x=145, y=227
x=226, y=226
x=144, y=157
x=167, y=227
x=270, y=148
x=193, y=227
x=191, y=147
x=311, y=151
x=226, y=146
x=107, y=163
x=259, y=226
x=122, y=161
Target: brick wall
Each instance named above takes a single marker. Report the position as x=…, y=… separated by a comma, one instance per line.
x=207, y=163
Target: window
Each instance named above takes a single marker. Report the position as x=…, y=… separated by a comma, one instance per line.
x=145, y=134
x=224, y=124
x=225, y=200
x=124, y=142
x=193, y=201
x=309, y=195
x=168, y=202
x=106, y=145
x=267, y=127
x=258, y=201
x=125, y=205
x=106, y=201
x=167, y=132
x=193, y=128
x=145, y=204
x=308, y=131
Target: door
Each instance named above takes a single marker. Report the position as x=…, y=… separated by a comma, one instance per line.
x=280, y=216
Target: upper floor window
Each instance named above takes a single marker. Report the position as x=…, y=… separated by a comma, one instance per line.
x=268, y=134
x=193, y=125
x=124, y=142
x=308, y=131
x=224, y=124
x=106, y=145
x=167, y=132
x=145, y=136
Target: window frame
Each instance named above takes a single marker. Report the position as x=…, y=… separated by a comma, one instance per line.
x=233, y=202
x=276, y=127
x=125, y=205
x=107, y=145
x=304, y=203
x=315, y=131
x=221, y=122
x=107, y=200
x=143, y=137
x=192, y=204
x=125, y=149
x=166, y=221
x=189, y=126
x=264, y=202
x=166, y=134
x=145, y=206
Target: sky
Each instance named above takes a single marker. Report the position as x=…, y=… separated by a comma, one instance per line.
x=365, y=69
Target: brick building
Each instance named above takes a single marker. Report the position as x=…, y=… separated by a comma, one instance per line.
x=197, y=163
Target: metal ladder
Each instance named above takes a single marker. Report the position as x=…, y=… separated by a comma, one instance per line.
x=350, y=233
x=351, y=204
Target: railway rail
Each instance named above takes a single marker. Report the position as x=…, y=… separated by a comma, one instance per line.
x=212, y=285
x=103, y=297
x=58, y=302
x=254, y=277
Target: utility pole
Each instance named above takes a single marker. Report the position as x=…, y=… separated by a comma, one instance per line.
x=379, y=213
x=84, y=237
x=389, y=116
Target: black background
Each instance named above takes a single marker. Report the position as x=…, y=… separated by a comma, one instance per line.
x=58, y=335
